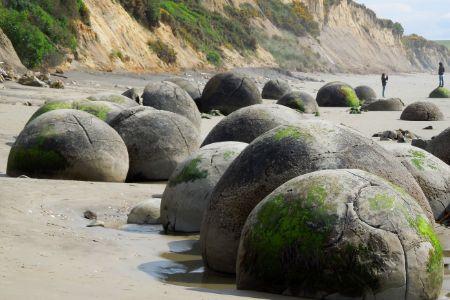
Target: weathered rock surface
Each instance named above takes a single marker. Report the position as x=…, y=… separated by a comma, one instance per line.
x=146, y=212
x=300, y=101
x=275, y=89
x=392, y=104
x=69, y=144
x=170, y=97
x=246, y=124
x=190, y=87
x=157, y=141
x=186, y=194
x=337, y=94
x=431, y=173
x=422, y=111
x=277, y=156
x=365, y=93
x=228, y=92
x=440, y=92
x=114, y=98
x=340, y=234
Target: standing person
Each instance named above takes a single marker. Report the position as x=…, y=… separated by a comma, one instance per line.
x=384, y=80
x=441, y=74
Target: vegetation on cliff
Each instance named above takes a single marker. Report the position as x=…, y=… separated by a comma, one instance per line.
x=41, y=31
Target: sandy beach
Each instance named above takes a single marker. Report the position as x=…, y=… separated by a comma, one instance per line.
x=46, y=250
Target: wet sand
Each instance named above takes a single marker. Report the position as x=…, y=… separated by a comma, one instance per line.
x=46, y=250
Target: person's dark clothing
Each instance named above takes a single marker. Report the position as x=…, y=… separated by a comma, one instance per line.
x=441, y=70
x=384, y=80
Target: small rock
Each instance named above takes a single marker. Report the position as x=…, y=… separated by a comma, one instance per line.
x=57, y=84
x=146, y=212
x=90, y=215
x=30, y=80
x=428, y=128
x=96, y=223
x=59, y=71
x=27, y=103
x=23, y=176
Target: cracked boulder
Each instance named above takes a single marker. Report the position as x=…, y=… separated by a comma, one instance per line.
x=275, y=89
x=337, y=94
x=69, y=144
x=157, y=141
x=365, y=93
x=392, y=104
x=228, y=92
x=278, y=156
x=300, y=101
x=170, y=97
x=246, y=124
x=340, y=234
x=190, y=87
x=114, y=98
x=431, y=173
x=422, y=111
x=133, y=95
x=105, y=111
x=186, y=194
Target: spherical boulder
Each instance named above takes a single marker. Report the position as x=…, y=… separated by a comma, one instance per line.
x=300, y=101
x=340, y=234
x=170, y=97
x=145, y=212
x=440, y=92
x=157, y=141
x=431, y=173
x=133, y=95
x=69, y=144
x=228, y=92
x=114, y=98
x=277, y=156
x=365, y=93
x=186, y=194
x=337, y=94
x=105, y=111
x=422, y=111
x=190, y=87
x=392, y=104
x=246, y=124
x=439, y=146
x=275, y=89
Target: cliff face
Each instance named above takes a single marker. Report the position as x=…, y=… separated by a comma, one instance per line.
x=305, y=35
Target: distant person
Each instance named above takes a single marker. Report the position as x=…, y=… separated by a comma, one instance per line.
x=384, y=80
x=441, y=74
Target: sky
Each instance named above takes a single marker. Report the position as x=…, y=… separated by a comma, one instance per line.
x=429, y=18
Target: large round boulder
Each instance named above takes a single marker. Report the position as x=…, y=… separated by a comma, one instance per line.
x=277, y=156
x=69, y=144
x=105, y=111
x=422, y=111
x=337, y=94
x=392, y=104
x=275, y=89
x=186, y=194
x=228, y=92
x=190, y=87
x=170, y=97
x=300, y=101
x=340, y=234
x=440, y=92
x=246, y=124
x=114, y=98
x=431, y=173
x=157, y=141
x=365, y=93
x=439, y=146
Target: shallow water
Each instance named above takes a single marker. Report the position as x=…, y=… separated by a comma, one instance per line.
x=183, y=265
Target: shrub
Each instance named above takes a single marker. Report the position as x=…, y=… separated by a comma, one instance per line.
x=146, y=11
x=41, y=30
x=214, y=58
x=164, y=52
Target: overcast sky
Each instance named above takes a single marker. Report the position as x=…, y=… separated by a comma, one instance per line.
x=430, y=18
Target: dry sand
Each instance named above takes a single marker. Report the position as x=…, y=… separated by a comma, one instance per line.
x=46, y=250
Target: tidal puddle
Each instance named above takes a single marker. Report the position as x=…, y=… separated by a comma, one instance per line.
x=183, y=266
